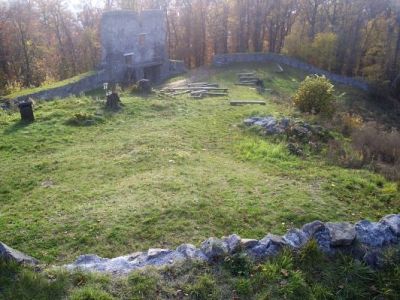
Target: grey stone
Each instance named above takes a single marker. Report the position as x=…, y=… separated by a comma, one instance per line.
x=269, y=246
x=165, y=258
x=374, y=234
x=273, y=240
x=296, y=238
x=191, y=252
x=393, y=221
x=8, y=253
x=258, y=252
x=214, y=248
x=248, y=243
x=90, y=259
x=155, y=253
x=310, y=229
x=249, y=122
x=341, y=234
x=233, y=242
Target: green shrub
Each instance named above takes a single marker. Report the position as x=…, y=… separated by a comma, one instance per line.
x=90, y=293
x=315, y=95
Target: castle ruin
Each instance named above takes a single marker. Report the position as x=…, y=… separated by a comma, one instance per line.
x=134, y=46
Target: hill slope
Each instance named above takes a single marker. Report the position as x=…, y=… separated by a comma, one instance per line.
x=163, y=172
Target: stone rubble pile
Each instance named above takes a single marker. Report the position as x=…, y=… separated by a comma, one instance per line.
x=298, y=133
x=364, y=240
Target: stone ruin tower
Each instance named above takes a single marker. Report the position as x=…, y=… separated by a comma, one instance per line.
x=134, y=46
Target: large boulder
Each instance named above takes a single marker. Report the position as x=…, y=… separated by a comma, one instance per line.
x=189, y=251
x=269, y=246
x=374, y=234
x=296, y=238
x=214, y=248
x=233, y=243
x=310, y=229
x=341, y=234
x=393, y=221
x=8, y=253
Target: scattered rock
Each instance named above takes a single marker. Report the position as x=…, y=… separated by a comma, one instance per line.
x=393, y=221
x=310, y=229
x=341, y=234
x=8, y=253
x=296, y=238
x=191, y=252
x=273, y=240
x=214, y=248
x=259, y=252
x=233, y=242
x=248, y=243
x=374, y=234
x=299, y=133
x=47, y=183
x=156, y=253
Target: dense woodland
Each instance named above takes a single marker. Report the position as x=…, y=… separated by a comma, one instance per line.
x=44, y=40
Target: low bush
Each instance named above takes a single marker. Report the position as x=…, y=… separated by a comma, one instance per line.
x=349, y=122
x=379, y=148
x=371, y=146
x=315, y=95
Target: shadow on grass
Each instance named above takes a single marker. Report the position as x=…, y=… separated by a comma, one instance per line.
x=17, y=126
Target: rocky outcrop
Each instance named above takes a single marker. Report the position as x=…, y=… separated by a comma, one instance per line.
x=297, y=132
x=10, y=254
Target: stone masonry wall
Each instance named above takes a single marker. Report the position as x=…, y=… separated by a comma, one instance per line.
x=363, y=240
x=226, y=59
x=84, y=85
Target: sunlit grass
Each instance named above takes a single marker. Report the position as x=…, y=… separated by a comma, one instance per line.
x=163, y=172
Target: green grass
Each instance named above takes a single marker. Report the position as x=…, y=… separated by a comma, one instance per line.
x=54, y=85
x=163, y=172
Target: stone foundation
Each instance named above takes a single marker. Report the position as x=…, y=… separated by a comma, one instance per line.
x=363, y=240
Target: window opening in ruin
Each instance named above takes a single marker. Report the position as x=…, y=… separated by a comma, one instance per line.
x=128, y=59
x=142, y=39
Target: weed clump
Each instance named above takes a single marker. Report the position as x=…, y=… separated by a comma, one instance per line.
x=315, y=95
x=90, y=293
x=379, y=148
x=84, y=119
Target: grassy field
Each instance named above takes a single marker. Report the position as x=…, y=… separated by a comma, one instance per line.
x=163, y=172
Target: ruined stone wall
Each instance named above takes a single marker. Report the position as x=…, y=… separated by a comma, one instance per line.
x=226, y=59
x=84, y=85
x=364, y=240
x=141, y=34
